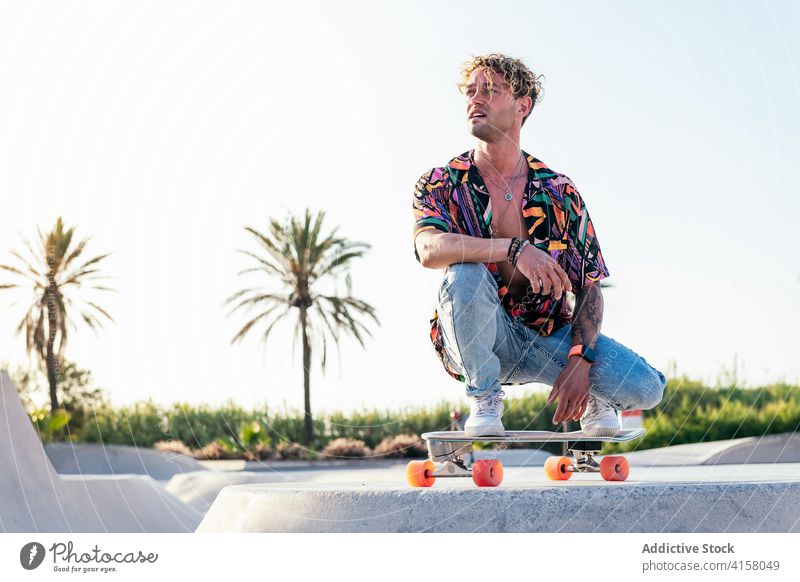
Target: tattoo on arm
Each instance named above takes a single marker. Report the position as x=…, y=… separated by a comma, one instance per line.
x=588, y=315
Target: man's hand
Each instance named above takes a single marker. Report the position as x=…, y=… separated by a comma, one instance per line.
x=537, y=265
x=572, y=390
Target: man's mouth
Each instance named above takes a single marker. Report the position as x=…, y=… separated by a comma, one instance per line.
x=474, y=115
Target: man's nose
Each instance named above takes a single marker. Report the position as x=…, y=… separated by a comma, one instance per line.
x=474, y=101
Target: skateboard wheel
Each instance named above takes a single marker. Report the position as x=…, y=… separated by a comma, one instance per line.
x=418, y=473
x=556, y=468
x=487, y=473
x=614, y=468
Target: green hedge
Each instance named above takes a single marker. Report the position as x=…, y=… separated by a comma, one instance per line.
x=693, y=413
x=689, y=413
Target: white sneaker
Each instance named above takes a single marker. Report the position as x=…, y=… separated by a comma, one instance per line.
x=484, y=416
x=600, y=418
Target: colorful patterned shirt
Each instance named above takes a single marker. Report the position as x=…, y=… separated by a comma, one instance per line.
x=455, y=199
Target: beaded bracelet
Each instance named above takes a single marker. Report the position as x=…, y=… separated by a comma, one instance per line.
x=512, y=248
x=519, y=252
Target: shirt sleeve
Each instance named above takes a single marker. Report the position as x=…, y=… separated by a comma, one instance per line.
x=585, y=263
x=430, y=206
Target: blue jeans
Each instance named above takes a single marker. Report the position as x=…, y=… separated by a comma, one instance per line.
x=490, y=348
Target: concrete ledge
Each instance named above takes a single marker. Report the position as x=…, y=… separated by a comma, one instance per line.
x=606, y=507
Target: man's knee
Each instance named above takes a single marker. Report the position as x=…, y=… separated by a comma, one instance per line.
x=467, y=278
x=654, y=389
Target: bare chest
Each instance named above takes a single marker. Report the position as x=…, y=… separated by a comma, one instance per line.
x=507, y=222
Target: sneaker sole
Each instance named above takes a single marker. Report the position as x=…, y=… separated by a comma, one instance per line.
x=602, y=432
x=485, y=432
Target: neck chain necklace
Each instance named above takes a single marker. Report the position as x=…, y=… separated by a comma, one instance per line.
x=508, y=195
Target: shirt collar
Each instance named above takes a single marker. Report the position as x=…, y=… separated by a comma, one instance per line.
x=463, y=165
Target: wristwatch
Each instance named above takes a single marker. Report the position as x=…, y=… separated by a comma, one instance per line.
x=585, y=352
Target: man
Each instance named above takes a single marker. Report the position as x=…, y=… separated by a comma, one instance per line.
x=514, y=237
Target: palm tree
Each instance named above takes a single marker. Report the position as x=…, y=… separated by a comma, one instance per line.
x=293, y=254
x=51, y=274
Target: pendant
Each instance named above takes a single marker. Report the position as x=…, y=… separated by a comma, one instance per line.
x=508, y=196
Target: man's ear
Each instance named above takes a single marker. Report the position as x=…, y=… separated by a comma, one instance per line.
x=522, y=108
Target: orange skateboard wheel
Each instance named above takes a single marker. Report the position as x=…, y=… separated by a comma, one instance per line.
x=556, y=468
x=614, y=468
x=487, y=472
x=419, y=473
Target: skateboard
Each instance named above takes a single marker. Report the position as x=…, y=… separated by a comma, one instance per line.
x=447, y=449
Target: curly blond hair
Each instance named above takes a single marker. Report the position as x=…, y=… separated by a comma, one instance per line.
x=521, y=80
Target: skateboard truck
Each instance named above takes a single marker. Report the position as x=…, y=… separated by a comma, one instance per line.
x=450, y=455
x=584, y=452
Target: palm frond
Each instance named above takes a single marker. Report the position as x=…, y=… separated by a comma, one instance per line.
x=31, y=269
x=265, y=335
x=255, y=300
x=242, y=332
x=75, y=253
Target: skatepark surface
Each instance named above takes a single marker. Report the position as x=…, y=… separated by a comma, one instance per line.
x=741, y=485
x=35, y=498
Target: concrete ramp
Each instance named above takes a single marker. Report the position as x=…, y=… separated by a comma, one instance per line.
x=35, y=498
x=776, y=448
x=97, y=459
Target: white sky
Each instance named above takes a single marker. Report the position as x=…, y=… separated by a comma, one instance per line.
x=161, y=129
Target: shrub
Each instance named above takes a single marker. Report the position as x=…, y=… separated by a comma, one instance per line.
x=259, y=452
x=211, y=452
x=286, y=450
x=173, y=446
x=345, y=447
x=401, y=446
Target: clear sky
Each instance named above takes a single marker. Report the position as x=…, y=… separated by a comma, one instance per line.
x=162, y=129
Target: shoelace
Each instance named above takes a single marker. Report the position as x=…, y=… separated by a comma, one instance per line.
x=489, y=404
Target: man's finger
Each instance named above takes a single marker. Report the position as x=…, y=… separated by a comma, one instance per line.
x=558, y=285
x=569, y=411
x=584, y=404
x=559, y=415
x=553, y=282
x=581, y=408
x=565, y=279
x=553, y=394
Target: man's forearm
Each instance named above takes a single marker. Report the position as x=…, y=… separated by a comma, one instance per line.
x=588, y=315
x=440, y=250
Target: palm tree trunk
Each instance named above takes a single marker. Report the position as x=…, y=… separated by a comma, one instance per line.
x=51, y=336
x=51, y=378
x=308, y=425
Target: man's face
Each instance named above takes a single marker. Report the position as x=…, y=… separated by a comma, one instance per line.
x=490, y=115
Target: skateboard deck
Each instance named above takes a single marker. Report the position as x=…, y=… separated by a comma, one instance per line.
x=531, y=436
x=447, y=451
